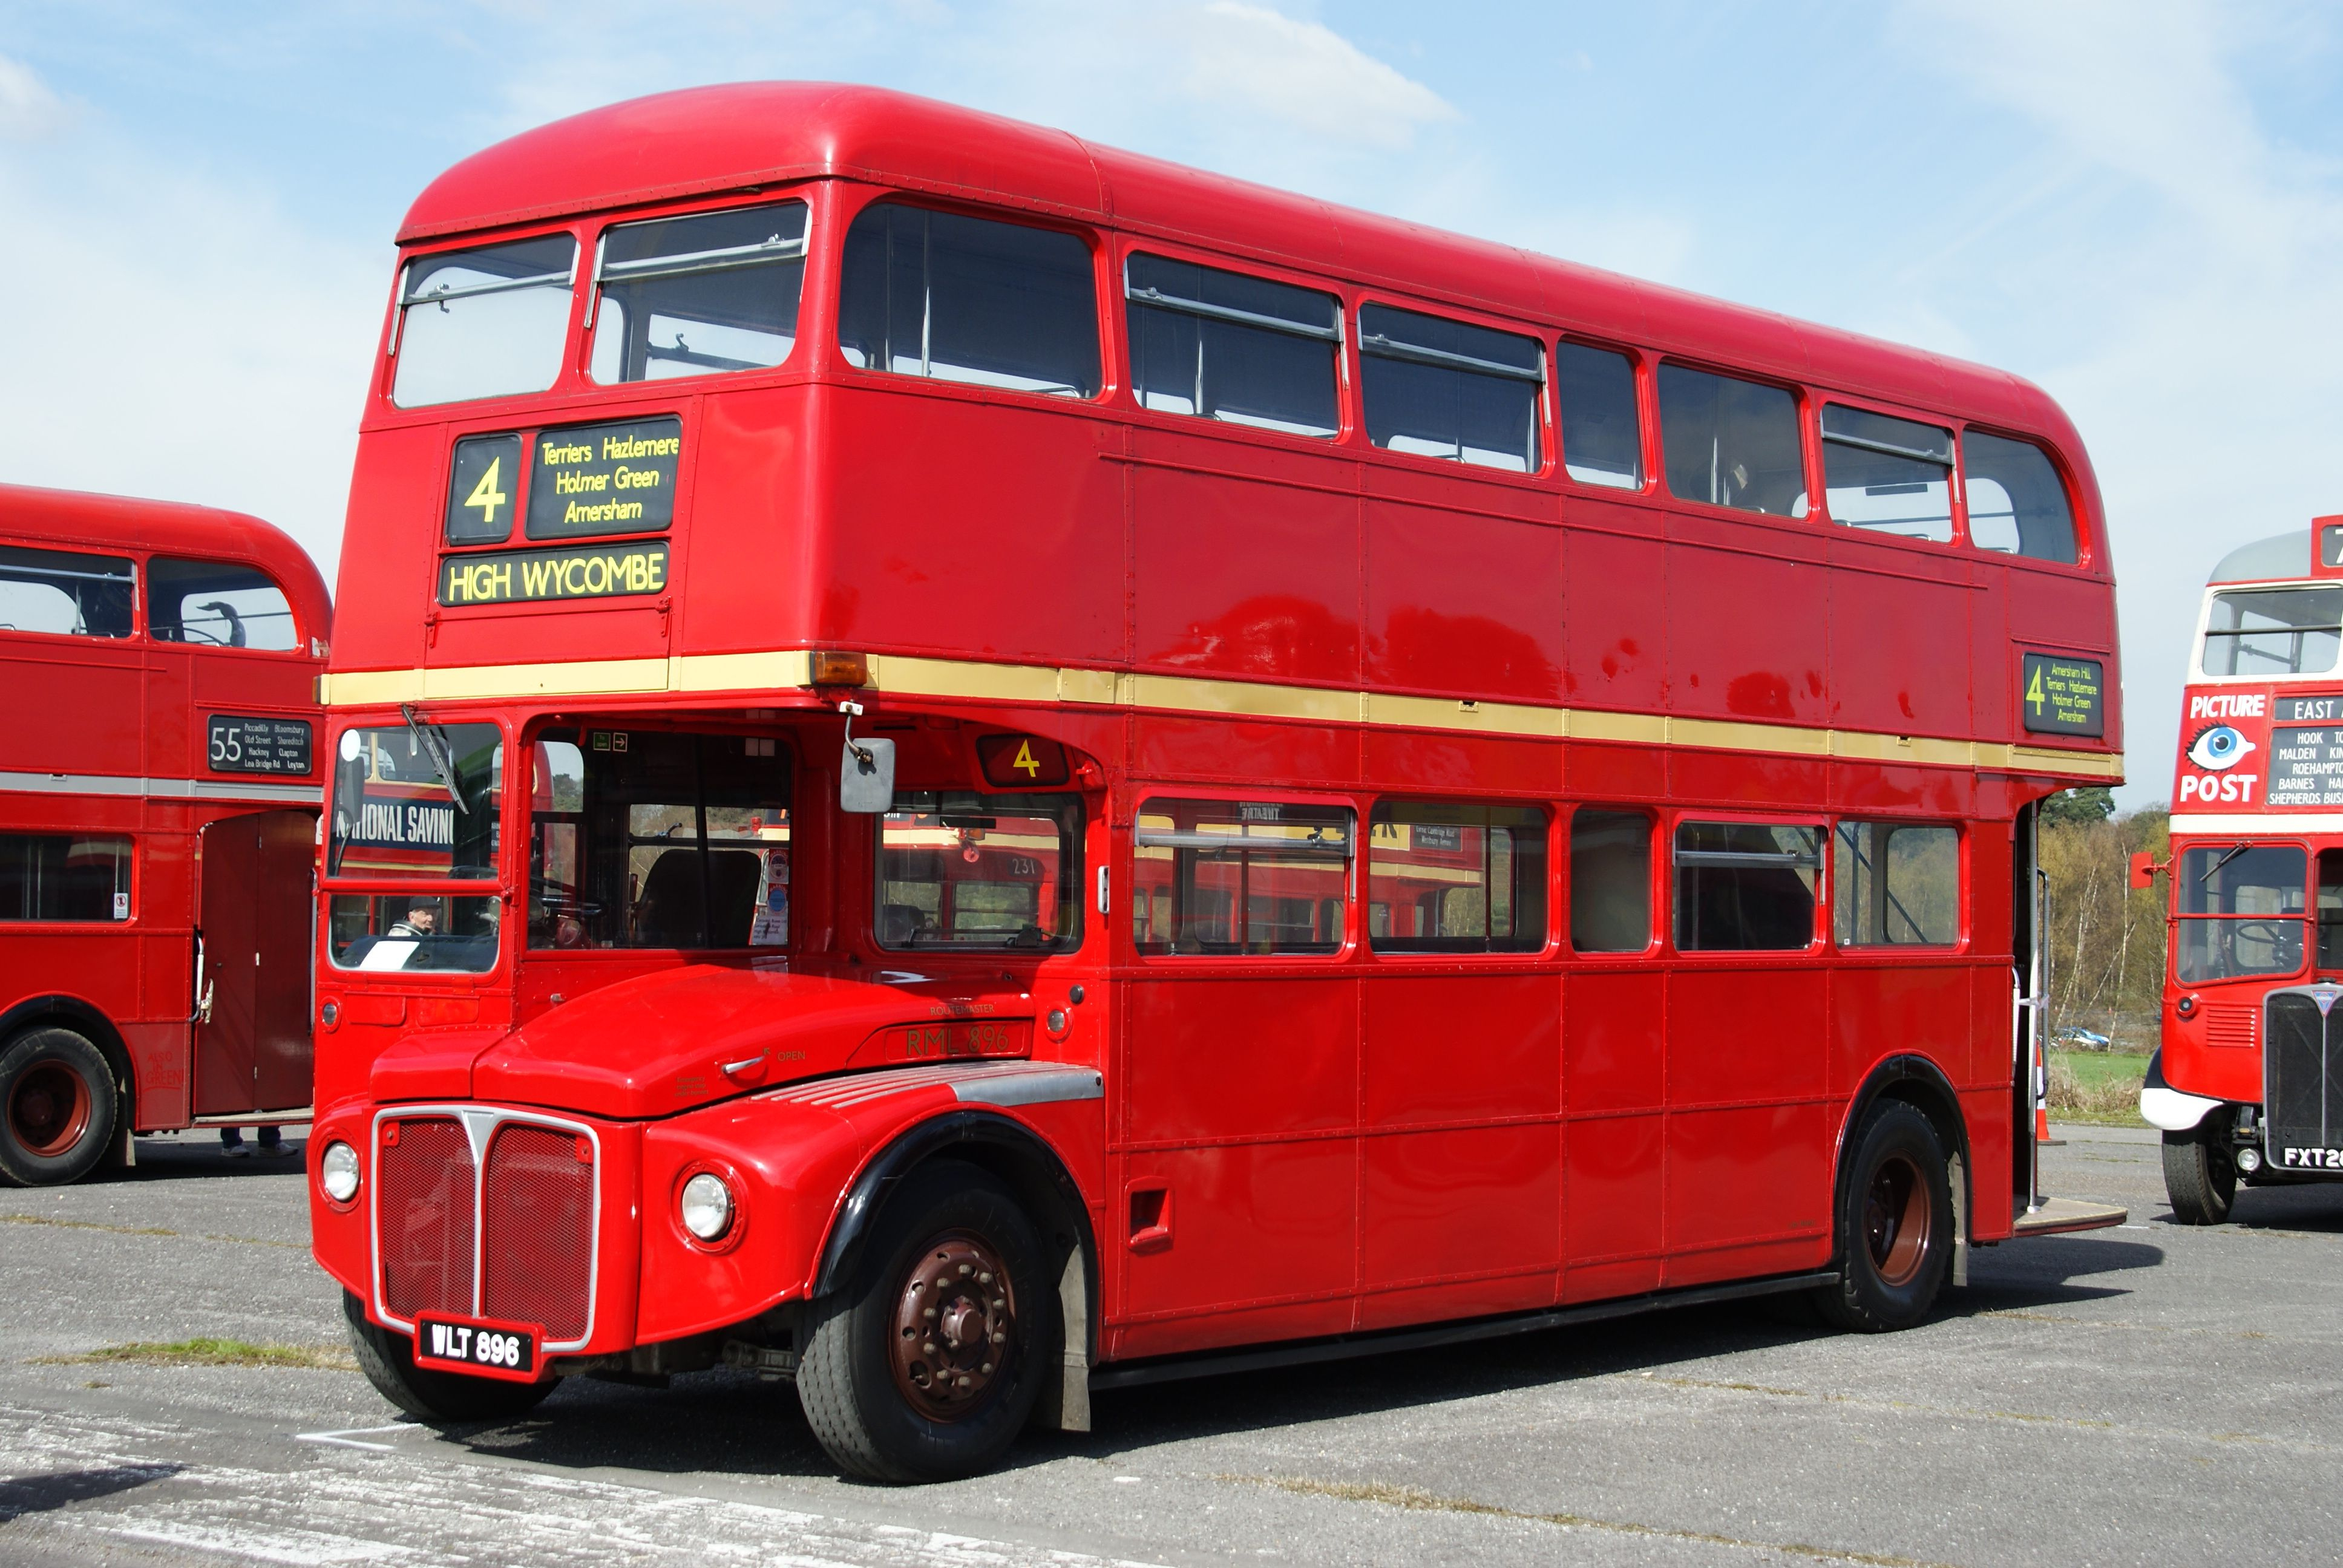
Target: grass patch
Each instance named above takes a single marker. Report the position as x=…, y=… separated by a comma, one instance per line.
x=209, y=1353
x=2100, y=1087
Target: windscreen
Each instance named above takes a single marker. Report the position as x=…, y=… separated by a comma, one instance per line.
x=2241, y=911
x=485, y=323
x=397, y=794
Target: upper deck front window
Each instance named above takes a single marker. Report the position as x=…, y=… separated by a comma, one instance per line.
x=2274, y=631
x=968, y=299
x=699, y=295
x=485, y=323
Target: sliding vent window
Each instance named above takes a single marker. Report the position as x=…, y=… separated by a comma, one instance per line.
x=1222, y=345
x=2015, y=502
x=2274, y=631
x=1440, y=388
x=1731, y=443
x=967, y=300
x=485, y=323
x=66, y=594
x=1746, y=887
x=1602, y=443
x=1455, y=879
x=699, y=295
x=1241, y=877
x=963, y=871
x=1894, y=885
x=1891, y=476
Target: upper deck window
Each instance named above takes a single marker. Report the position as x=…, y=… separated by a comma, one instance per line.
x=1892, y=476
x=71, y=595
x=1602, y=441
x=217, y=605
x=963, y=298
x=1731, y=443
x=1223, y=346
x=1441, y=388
x=2274, y=631
x=485, y=323
x=2015, y=501
x=699, y=295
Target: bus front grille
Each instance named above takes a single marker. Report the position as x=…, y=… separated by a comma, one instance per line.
x=537, y=1214
x=2302, y=1077
x=425, y=1209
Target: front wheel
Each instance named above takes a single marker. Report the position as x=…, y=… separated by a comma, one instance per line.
x=2200, y=1175
x=387, y=1359
x=925, y=1366
x=1895, y=1224
x=57, y=1108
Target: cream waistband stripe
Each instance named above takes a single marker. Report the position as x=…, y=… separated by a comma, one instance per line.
x=1045, y=683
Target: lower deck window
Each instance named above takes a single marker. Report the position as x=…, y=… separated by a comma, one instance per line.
x=651, y=839
x=959, y=870
x=1448, y=878
x=63, y=876
x=1250, y=877
x=1746, y=887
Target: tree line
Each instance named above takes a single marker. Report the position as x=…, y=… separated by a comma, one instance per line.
x=2106, y=937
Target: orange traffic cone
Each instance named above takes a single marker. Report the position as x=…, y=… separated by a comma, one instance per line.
x=2041, y=1124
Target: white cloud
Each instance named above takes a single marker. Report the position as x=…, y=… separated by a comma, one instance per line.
x=1302, y=73
x=28, y=109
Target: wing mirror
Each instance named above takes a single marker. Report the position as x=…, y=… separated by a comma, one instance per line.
x=866, y=770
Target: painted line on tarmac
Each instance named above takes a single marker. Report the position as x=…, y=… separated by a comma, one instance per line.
x=348, y=1437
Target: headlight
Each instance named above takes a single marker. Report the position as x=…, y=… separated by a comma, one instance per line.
x=338, y=1172
x=707, y=1207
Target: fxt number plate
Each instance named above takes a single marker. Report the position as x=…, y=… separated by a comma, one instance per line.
x=483, y=1349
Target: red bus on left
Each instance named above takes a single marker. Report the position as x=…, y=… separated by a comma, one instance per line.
x=158, y=806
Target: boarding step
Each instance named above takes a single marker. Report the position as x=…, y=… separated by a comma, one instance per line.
x=2060, y=1215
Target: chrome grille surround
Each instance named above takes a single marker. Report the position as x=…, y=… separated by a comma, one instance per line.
x=480, y=1124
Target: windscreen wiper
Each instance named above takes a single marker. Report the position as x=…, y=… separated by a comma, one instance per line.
x=2229, y=855
x=434, y=748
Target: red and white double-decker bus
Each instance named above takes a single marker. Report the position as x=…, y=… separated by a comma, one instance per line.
x=1388, y=788
x=158, y=810
x=2244, y=1083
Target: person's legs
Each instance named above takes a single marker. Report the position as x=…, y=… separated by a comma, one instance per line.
x=272, y=1140
x=232, y=1144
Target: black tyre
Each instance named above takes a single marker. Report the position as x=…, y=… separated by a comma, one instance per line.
x=925, y=1364
x=387, y=1359
x=58, y=1108
x=1895, y=1224
x=2200, y=1174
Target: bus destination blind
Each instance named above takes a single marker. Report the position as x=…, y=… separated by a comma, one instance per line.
x=2306, y=765
x=524, y=576
x=590, y=479
x=2062, y=695
x=245, y=743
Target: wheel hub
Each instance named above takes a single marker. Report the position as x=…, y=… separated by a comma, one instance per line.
x=954, y=1328
x=1897, y=1220
x=49, y=1109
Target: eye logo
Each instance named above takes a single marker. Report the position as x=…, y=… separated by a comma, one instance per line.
x=2218, y=749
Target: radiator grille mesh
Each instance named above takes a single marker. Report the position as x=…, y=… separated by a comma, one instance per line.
x=538, y=1219
x=424, y=1202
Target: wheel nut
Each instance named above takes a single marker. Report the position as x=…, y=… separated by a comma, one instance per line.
x=986, y=1368
x=929, y=1314
x=965, y=1379
x=968, y=1269
x=984, y=1279
x=999, y=1338
x=929, y=1347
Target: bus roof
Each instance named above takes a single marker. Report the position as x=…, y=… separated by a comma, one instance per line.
x=77, y=519
x=745, y=135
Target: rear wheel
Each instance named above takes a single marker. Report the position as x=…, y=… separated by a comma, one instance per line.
x=387, y=1359
x=925, y=1366
x=1895, y=1224
x=57, y=1108
x=2200, y=1174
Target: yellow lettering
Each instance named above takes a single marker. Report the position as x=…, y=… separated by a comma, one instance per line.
x=486, y=495
x=536, y=577
x=1025, y=759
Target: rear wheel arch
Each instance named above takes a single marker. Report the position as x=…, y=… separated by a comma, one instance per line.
x=1921, y=1084
x=85, y=1020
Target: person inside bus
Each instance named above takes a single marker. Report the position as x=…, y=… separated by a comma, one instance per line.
x=421, y=916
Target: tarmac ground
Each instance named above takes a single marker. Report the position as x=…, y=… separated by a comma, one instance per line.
x=2148, y=1394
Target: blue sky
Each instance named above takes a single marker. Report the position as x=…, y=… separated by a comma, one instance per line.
x=2139, y=206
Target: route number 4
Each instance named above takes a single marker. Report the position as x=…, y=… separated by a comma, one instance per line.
x=486, y=497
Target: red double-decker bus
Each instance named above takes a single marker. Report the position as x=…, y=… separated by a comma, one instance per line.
x=1028, y=770
x=159, y=786
x=2244, y=1083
